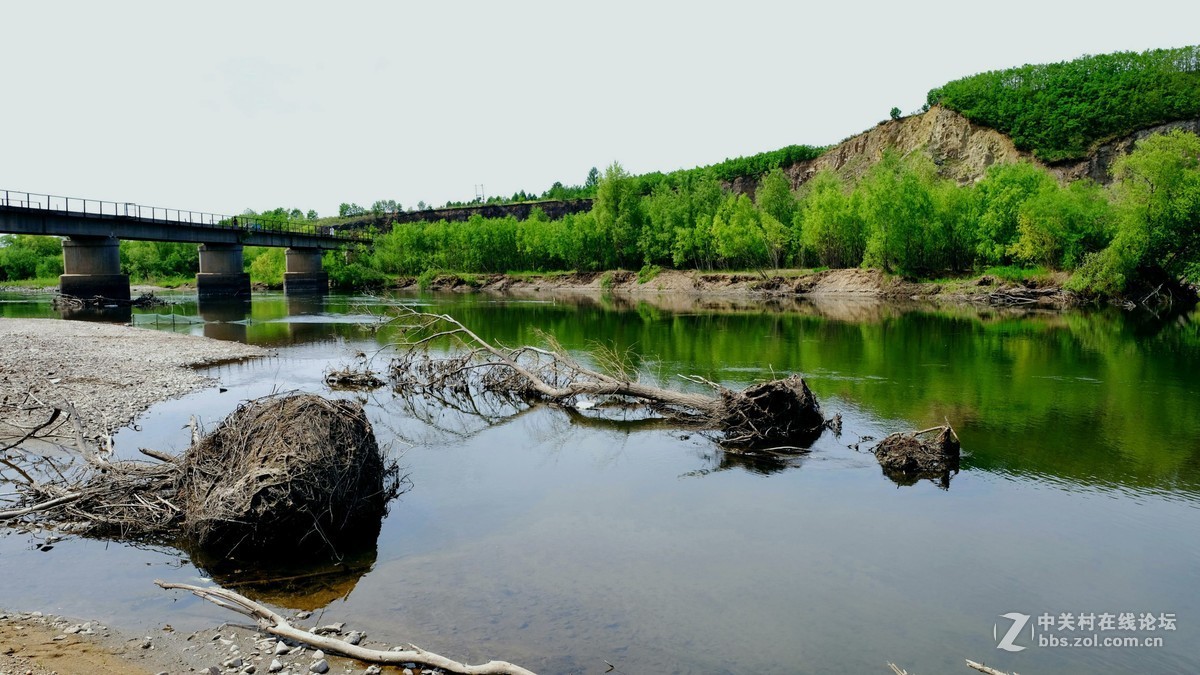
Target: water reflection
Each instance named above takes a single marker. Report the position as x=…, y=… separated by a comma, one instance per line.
x=102, y=314
x=1021, y=386
x=225, y=318
x=308, y=584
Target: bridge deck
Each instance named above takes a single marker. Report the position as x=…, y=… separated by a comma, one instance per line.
x=31, y=213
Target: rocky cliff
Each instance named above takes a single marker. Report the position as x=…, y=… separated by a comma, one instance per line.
x=961, y=150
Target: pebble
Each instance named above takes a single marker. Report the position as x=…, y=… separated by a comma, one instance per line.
x=303, y=615
x=406, y=671
x=318, y=655
x=281, y=648
x=373, y=670
x=354, y=637
x=320, y=667
x=275, y=666
x=235, y=662
x=249, y=670
x=146, y=644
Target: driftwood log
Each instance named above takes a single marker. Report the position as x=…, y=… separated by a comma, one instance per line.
x=275, y=624
x=781, y=414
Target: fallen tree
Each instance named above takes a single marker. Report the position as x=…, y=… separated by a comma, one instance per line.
x=781, y=414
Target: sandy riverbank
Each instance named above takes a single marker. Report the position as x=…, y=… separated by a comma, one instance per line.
x=108, y=373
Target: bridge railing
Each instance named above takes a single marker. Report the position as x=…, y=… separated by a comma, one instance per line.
x=105, y=209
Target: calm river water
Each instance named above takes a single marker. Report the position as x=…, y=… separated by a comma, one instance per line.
x=561, y=544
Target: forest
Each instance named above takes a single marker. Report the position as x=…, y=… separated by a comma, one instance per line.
x=901, y=217
x=1060, y=110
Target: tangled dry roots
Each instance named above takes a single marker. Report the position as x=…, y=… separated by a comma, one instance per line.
x=286, y=473
x=772, y=413
x=909, y=457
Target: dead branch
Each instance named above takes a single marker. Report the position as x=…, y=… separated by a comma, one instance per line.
x=43, y=506
x=273, y=623
x=35, y=430
x=779, y=413
x=985, y=669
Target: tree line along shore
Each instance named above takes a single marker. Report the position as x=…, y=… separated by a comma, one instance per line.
x=901, y=215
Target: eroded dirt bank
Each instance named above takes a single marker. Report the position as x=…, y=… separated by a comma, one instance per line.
x=858, y=284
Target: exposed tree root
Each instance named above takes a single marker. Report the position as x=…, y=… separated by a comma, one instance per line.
x=778, y=414
x=350, y=379
x=930, y=453
x=275, y=624
x=282, y=473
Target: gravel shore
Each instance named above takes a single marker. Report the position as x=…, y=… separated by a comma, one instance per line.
x=109, y=373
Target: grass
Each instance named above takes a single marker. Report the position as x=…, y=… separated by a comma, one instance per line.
x=1016, y=275
x=647, y=273
x=43, y=282
x=174, y=281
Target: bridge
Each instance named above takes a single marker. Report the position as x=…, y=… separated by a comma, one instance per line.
x=93, y=230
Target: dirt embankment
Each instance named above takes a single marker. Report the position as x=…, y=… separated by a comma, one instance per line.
x=689, y=286
x=961, y=150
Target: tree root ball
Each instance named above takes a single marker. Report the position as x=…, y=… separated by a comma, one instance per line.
x=909, y=457
x=779, y=412
x=286, y=474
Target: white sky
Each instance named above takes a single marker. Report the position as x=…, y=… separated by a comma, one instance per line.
x=222, y=106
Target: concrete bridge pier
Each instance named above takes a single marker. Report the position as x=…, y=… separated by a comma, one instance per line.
x=221, y=272
x=91, y=267
x=303, y=273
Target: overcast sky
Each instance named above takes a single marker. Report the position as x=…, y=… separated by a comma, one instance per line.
x=222, y=106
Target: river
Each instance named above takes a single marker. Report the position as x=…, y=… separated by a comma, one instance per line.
x=564, y=545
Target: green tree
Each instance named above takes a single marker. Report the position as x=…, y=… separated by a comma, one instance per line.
x=774, y=196
x=618, y=213
x=24, y=256
x=1058, y=225
x=894, y=113
x=1002, y=192
x=738, y=234
x=829, y=224
x=1157, y=205
x=896, y=208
